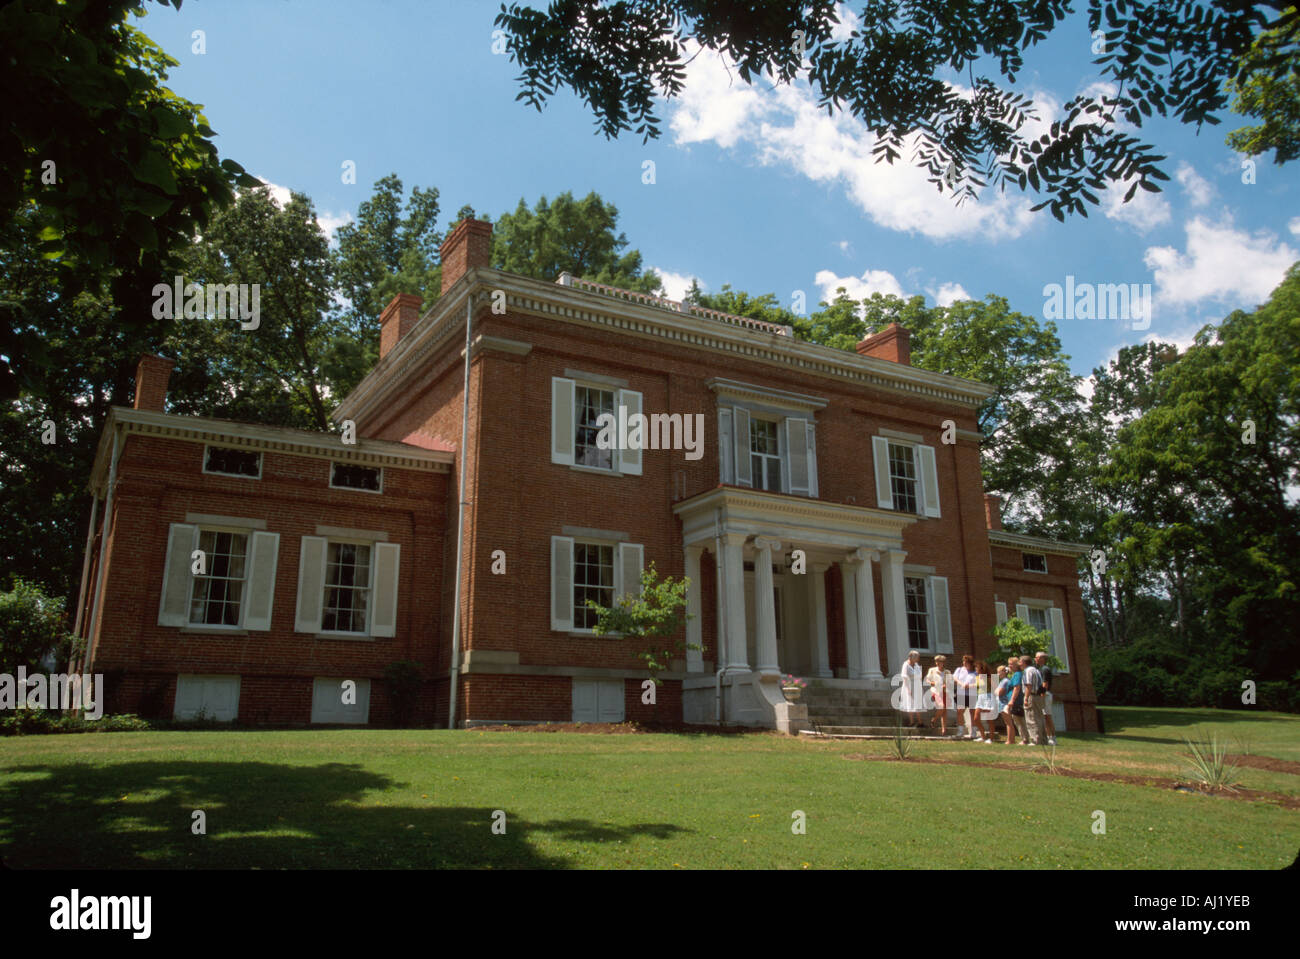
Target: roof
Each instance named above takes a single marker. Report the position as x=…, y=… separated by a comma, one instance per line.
x=1002, y=537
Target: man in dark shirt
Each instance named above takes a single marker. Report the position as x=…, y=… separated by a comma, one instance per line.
x=1040, y=660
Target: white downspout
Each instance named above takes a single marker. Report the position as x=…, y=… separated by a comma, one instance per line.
x=460, y=520
x=85, y=569
x=92, y=642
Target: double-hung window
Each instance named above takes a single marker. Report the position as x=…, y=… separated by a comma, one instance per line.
x=601, y=570
x=907, y=476
x=348, y=584
x=1044, y=617
x=918, y=613
x=587, y=416
x=219, y=573
x=929, y=625
x=765, y=454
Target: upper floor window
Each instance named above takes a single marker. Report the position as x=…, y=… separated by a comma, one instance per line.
x=765, y=454
x=1034, y=562
x=907, y=475
x=576, y=426
x=348, y=476
x=219, y=588
x=902, y=477
x=232, y=462
x=591, y=404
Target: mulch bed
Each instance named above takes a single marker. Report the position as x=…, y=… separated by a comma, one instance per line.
x=1250, y=795
x=1266, y=762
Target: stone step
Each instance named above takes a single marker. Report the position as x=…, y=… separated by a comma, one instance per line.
x=882, y=732
x=879, y=712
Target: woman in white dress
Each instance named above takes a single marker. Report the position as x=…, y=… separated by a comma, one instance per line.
x=910, y=688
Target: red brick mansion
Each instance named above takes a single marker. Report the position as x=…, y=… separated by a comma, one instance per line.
x=826, y=526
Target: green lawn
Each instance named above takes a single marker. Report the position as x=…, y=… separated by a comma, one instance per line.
x=387, y=798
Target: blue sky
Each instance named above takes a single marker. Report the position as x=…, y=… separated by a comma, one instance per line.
x=753, y=186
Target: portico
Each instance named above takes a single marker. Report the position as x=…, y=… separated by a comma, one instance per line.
x=773, y=553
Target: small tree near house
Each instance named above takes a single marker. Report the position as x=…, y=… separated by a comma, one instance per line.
x=1017, y=638
x=655, y=616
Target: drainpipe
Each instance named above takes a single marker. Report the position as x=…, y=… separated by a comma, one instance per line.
x=92, y=630
x=85, y=570
x=460, y=519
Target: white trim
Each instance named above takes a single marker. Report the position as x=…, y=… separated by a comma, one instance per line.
x=356, y=535
x=900, y=435
x=783, y=402
x=368, y=632
x=233, y=522
x=597, y=379
x=209, y=446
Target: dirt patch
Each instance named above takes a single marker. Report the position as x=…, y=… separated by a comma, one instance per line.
x=623, y=729
x=1250, y=795
x=1266, y=762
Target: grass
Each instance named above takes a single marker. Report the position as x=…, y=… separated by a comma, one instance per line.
x=361, y=798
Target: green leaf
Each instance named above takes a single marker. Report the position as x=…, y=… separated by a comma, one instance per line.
x=154, y=169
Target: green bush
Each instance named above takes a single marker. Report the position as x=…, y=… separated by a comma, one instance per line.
x=31, y=627
x=35, y=722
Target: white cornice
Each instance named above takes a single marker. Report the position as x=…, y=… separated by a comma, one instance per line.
x=413, y=354
x=199, y=429
x=748, y=392
x=1002, y=537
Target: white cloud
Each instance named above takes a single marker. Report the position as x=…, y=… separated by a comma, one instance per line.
x=327, y=221
x=1294, y=225
x=783, y=126
x=948, y=294
x=675, y=284
x=1198, y=189
x=1220, y=263
x=844, y=244
x=1143, y=213
x=858, y=287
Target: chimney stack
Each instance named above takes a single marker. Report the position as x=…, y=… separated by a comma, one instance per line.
x=468, y=246
x=401, y=313
x=893, y=343
x=151, y=376
x=992, y=511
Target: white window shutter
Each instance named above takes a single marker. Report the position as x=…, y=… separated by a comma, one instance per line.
x=311, y=584
x=264, y=550
x=609, y=700
x=563, y=423
x=1001, y=610
x=178, y=583
x=880, y=456
x=631, y=559
x=383, y=621
x=942, y=620
x=1022, y=612
x=740, y=437
x=929, y=480
x=726, y=449
x=562, y=582
x=1059, y=650
x=812, y=459
x=629, y=460
x=796, y=454
x=584, y=700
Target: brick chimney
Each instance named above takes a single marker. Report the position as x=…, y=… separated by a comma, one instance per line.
x=469, y=245
x=396, y=321
x=992, y=511
x=893, y=343
x=151, y=376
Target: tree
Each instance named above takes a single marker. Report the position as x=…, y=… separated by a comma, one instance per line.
x=893, y=71
x=568, y=235
x=116, y=171
x=32, y=626
x=655, y=614
x=1266, y=89
x=1017, y=638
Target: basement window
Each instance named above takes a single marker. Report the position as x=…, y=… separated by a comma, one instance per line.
x=232, y=462
x=348, y=476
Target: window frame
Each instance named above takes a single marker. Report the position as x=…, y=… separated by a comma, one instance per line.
x=914, y=479
x=931, y=645
x=370, y=589
x=1024, y=560
x=780, y=457
x=612, y=546
x=356, y=489
x=196, y=578
x=211, y=446
x=613, y=451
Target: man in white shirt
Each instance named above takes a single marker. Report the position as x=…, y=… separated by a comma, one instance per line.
x=1033, y=687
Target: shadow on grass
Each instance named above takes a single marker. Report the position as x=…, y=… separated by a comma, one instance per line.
x=262, y=815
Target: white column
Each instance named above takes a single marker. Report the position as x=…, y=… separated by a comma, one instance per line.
x=866, y=593
x=694, y=628
x=852, y=647
x=818, y=639
x=764, y=605
x=895, y=605
x=733, y=580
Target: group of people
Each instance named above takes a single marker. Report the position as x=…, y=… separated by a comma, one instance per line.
x=1021, y=696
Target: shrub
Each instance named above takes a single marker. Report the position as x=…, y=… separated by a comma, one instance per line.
x=31, y=627
x=404, y=681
